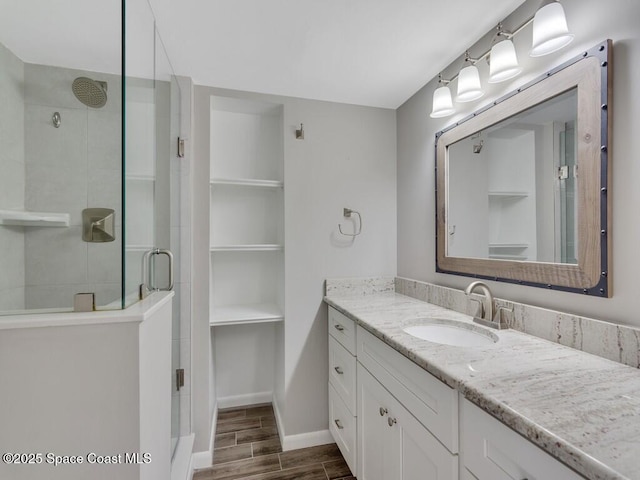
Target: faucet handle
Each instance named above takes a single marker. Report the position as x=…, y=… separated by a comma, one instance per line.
x=497, y=318
x=480, y=311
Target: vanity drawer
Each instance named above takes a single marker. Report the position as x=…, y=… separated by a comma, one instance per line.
x=434, y=404
x=342, y=372
x=492, y=451
x=342, y=425
x=343, y=329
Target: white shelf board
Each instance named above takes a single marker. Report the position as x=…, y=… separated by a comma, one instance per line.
x=33, y=219
x=508, y=245
x=499, y=194
x=507, y=257
x=246, y=182
x=244, y=314
x=140, y=178
x=138, y=248
x=248, y=248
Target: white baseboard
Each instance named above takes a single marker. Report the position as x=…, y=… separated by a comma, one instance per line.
x=246, y=399
x=301, y=440
x=205, y=459
x=279, y=421
x=304, y=440
x=181, y=464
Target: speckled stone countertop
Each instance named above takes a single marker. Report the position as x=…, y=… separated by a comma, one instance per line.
x=582, y=409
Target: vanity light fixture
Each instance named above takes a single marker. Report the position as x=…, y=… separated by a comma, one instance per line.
x=442, y=102
x=550, y=31
x=550, y=34
x=469, y=87
x=503, y=63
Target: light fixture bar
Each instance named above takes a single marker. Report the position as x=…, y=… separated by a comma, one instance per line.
x=486, y=54
x=550, y=33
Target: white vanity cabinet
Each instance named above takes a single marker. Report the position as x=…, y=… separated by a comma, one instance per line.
x=492, y=451
x=407, y=419
x=392, y=444
x=342, y=385
x=392, y=420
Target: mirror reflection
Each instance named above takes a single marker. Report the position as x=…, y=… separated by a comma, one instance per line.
x=512, y=187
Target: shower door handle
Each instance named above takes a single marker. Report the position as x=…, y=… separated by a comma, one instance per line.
x=148, y=272
x=154, y=253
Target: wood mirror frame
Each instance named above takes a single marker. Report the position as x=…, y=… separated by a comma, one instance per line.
x=589, y=73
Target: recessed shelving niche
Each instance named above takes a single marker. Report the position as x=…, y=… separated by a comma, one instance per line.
x=246, y=212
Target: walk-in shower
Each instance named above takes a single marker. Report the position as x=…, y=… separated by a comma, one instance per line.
x=83, y=132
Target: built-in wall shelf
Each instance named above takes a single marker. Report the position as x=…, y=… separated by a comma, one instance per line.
x=21, y=218
x=507, y=257
x=248, y=248
x=140, y=178
x=243, y=314
x=138, y=248
x=500, y=194
x=508, y=245
x=244, y=182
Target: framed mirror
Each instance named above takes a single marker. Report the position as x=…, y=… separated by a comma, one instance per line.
x=522, y=184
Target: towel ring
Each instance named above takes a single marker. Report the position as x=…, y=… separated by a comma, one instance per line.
x=347, y=212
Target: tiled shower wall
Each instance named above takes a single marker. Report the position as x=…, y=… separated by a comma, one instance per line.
x=11, y=179
x=68, y=169
x=62, y=170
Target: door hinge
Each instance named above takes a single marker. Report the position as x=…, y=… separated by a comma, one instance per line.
x=180, y=147
x=563, y=172
x=179, y=378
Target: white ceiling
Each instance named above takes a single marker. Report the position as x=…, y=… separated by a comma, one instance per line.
x=366, y=52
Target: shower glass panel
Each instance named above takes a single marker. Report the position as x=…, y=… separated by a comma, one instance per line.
x=60, y=131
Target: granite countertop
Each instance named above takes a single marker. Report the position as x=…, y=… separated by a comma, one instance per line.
x=582, y=409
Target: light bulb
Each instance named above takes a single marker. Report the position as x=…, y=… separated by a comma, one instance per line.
x=550, y=31
x=469, y=87
x=442, y=103
x=503, y=62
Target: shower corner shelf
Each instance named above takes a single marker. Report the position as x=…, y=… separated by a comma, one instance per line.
x=245, y=314
x=33, y=219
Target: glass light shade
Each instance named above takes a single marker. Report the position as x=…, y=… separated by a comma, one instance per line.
x=469, y=87
x=442, y=103
x=550, y=31
x=503, y=62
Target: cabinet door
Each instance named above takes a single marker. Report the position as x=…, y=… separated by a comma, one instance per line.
x=492, y=451
x=392, y=443
x=372, y=428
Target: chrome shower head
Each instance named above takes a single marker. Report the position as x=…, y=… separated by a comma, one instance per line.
x=477, y=147
x=92, y=93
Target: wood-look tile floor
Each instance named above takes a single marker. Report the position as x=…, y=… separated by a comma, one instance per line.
x=247, y=447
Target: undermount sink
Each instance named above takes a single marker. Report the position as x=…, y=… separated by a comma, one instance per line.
x=450, y=332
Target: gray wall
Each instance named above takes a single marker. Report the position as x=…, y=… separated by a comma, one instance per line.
x=12, y=178
x=591, y=21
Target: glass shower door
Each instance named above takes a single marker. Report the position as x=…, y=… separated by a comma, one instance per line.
x=152, y=175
